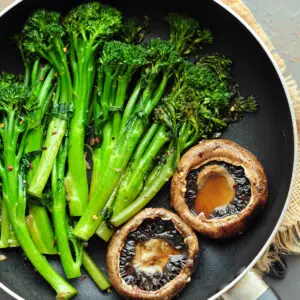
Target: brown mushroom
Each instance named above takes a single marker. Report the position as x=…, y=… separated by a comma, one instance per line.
x=152, y=256
x=217, y=187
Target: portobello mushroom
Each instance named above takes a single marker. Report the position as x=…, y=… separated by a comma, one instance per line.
x=152, y=256
x=217, y=188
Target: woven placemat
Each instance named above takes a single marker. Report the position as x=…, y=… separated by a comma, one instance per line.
x=287, y=240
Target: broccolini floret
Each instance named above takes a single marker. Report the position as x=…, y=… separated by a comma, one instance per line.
x=186, y=33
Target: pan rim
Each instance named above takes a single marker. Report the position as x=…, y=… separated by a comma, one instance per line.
x=9, y=7
x=295, y=138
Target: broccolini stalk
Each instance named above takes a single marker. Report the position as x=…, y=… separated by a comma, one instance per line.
x=17, y=113
x=7, y=237
x=156, y=180
x=44, y=35
x=62, y=232
x=107, y=211
x=119, y=62
x=125, y=60
x=31, y=65
x=137, y=170
x=40, y=229
x=92, y=269
x=87, y=25
x=104, y=231
x=38, y=221
x=165, y=61
x=5, y=228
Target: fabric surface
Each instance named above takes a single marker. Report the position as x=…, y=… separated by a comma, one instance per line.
x=4, y=4
x=287, y=240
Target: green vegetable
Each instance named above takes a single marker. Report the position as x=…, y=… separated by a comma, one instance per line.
x=202, y=101
x=40, y=78
x=44, y=36
x=154, y=182
x=88, y=26
x=105, y=232
x=121, y=133
x=70, y=265
x=7, y=236
x=40, y=229
x=94, y=272
x=38, y=221
x=18, y=110
x=186, y=34
x=134, y=31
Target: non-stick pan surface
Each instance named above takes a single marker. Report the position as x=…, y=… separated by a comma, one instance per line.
x=268, y=134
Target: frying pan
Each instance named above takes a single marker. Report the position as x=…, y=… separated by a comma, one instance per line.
x=269, y=133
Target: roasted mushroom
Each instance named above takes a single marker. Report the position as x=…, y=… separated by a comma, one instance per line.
x=152, y=256
x=217, y=187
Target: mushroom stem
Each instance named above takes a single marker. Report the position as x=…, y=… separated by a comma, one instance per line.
x=215, y=189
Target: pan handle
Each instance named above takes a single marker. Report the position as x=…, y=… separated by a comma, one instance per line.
x=251, y=287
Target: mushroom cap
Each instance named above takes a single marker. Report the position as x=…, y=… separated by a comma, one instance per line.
x=223, y=151
x=171, y=288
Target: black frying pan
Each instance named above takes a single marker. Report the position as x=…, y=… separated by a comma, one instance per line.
x=270, y=134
